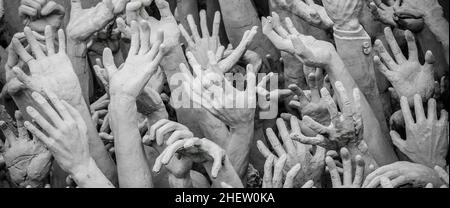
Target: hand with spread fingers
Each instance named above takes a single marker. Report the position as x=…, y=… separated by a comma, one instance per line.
x=48, y=69
x=232, y=105
x=407, y=76
x=310, y=12
x=66, y=138
x=351, y=179
x=426, y=136
x=312, y=163
x=37, y=14
x=315, y=107
x=26, y=159
x=135, y=11
x=199, y=46
x=403, y=173
x=142, y=62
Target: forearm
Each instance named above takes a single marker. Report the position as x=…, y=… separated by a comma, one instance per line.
x=77, y=52
x=240, y=16
x=355, y=49
x=96, y=146
x=380, y=145
x=91, y=177
x=226, y=174
x=132, y=166
x=238, y=148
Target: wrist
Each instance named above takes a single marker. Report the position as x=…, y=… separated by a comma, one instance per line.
x=350, y=25
x=82, y=173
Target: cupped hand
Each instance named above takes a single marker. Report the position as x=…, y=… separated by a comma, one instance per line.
x=198, y=150
x=346, y=127
x=402, y=173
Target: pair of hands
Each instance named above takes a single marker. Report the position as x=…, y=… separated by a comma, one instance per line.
x=307, y=10
x=313, y=105
x=181, y=143
x=37, y=14
x=301, y=163
x=346, y=127
x=213, y=92
x=202, y=46
x=85, y=22
x=135, y=11
x=307, y=49
x=410, y=14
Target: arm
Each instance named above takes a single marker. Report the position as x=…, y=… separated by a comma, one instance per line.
x=132, y=166
x=239, y=16
x=238, y=147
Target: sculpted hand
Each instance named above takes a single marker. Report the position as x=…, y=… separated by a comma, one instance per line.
x=167, y=132
x=273, y=173
x=307, y=49
x=443, y=175
x=426, y=138
x=143, y=60
x=349, y=181
x=344, y=13
x=85, y=22
x=401, y=173
x=37, y=14
x=26, y=159
x=345, y=129
x=296, y=153
x=315, y=106
x=384, y=13
x=49, y=69
x=310, y=12
x=135, y=12
x=198, y=150
x=407, y=76
x=199, y=46
x=67, y=138
x=233, y=106
x=149, y=101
